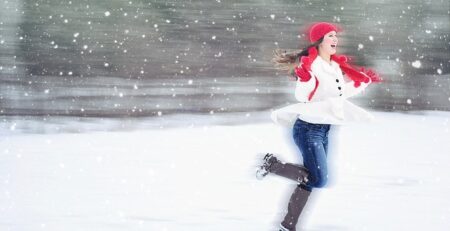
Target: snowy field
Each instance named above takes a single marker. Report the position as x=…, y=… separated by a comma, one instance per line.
x=391, y=175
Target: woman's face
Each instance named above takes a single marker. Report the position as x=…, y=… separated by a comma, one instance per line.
x=329, y=43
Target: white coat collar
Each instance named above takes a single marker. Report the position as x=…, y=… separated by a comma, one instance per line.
x=325, y=66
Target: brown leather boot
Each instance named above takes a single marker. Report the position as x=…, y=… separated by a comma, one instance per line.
x=271, y=164
x=295, y=207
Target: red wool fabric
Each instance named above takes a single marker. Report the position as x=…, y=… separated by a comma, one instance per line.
x=318, y=30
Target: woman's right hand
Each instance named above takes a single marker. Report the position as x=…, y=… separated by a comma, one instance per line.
x=301, y=72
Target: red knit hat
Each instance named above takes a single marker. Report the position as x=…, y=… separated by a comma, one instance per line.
x=318, y=30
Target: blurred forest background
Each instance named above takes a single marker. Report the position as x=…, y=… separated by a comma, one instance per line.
x=93, y=58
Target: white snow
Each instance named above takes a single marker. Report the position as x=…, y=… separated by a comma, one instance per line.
x=416, y=64
x=389, y=175
x=360, y=46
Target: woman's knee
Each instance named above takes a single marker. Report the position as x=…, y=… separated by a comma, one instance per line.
x=318, y=180
x=322, y=182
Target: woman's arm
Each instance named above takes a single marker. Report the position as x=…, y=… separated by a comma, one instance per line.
x=306, y=81
x=303, y=89
x=353, y=88
x=360, y=78
x=350, y=89
x=306, y=84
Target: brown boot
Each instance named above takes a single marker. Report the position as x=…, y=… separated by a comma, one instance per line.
x=296, y=204
x=273, y=165
x=294, y=172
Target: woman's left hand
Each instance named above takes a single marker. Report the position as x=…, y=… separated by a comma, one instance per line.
x=374, y=77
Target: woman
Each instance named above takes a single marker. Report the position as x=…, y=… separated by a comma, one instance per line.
x=322, y=92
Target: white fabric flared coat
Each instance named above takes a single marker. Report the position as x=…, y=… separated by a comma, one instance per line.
x=329, y=103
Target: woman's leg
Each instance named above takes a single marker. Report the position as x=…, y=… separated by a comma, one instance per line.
x=295, y=207
x=294, y=172
x=312, y=142
x=315, y=160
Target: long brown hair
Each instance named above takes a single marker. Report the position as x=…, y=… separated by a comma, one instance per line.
x=288, y=60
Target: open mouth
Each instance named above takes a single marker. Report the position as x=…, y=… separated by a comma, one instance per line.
x=334, y=46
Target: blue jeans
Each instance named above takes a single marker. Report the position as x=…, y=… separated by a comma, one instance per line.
x=312, y=140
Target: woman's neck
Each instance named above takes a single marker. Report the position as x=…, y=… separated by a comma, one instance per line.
x=326, y=57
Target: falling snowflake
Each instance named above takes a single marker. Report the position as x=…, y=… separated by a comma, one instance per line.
x=416, y=64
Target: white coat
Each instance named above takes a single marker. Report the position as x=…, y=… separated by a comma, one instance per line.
x=329, y=104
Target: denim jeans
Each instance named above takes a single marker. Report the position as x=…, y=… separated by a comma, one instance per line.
x=312, y=140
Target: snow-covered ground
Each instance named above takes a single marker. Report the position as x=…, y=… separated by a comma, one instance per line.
x=390, y=175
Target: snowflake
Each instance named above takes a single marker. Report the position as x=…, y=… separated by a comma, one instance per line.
x=416, y=64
